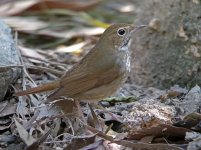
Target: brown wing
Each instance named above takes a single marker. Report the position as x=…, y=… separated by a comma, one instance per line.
x=81, y=83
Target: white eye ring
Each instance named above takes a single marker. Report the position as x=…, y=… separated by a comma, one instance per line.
x=121, y=31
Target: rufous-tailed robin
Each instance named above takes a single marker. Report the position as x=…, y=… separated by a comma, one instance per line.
x=100, y=73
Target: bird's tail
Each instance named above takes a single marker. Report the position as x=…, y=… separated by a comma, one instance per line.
x=39, y=89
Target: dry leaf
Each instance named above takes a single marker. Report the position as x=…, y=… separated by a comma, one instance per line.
x=159, y=130
x=18, y=7
x=7, y=109
x=7, y=138
x=28, y=52
x=133, y=145
x=80, y=141
x=39, y=141
x=71, y=34
x=24, y=23
x=189, y=121
x=2, y=128
x=36, y=27
x=24, y=135
x=22, y=110
x=75, y=48
x=96, y=145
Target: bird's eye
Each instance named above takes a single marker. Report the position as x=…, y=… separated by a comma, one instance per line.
x=121, y=32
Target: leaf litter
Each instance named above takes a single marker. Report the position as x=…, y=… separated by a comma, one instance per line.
x=134, y=118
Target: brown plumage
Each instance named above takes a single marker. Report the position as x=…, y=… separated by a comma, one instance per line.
x=100, y=73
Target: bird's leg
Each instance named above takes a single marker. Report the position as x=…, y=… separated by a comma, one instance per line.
x=79, y=110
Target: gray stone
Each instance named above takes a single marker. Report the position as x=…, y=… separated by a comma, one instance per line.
x=168, y=51
x=8, y=57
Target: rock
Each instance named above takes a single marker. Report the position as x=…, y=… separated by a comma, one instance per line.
x=8, y=57
x=191, y=102
x=195, y=139
x=168, y=51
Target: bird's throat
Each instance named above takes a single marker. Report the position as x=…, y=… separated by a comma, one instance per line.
x=124, y=48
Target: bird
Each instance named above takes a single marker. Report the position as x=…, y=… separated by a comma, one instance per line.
x=99, y=74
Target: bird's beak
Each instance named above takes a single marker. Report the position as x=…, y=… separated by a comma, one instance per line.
x=136, y=28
